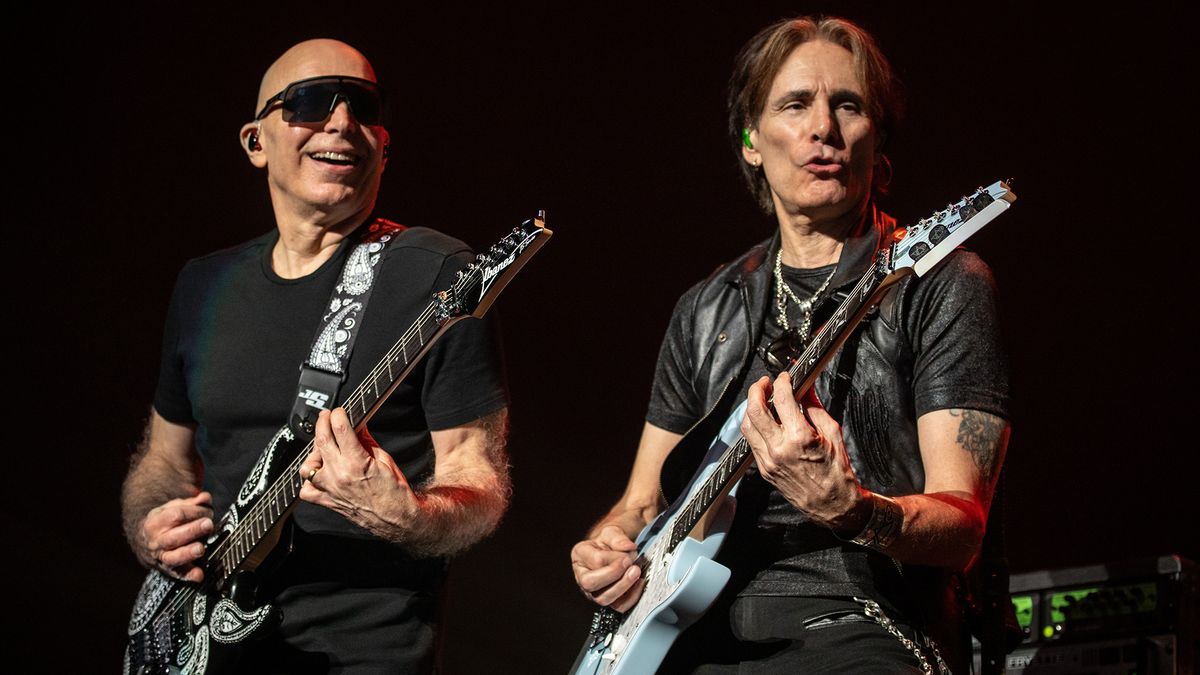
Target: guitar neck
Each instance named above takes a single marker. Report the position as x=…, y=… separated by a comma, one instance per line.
x=395, y=365
x=833, y=334
x=282, y=495
x=914, y=251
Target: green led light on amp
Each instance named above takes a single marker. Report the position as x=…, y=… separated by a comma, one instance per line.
x=1023, y=606
x=1084, y=603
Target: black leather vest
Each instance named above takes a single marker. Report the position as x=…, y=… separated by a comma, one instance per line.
x=871, y=395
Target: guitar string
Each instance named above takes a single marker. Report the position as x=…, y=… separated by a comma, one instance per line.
x=738, y=451
x=460, y=287
x=735, y=454
x=351, y=403
x=255, y=513
x=654, y=584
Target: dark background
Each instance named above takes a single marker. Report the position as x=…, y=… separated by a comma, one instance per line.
x=611, y=118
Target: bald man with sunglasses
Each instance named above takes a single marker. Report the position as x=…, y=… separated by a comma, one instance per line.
x=358, y=591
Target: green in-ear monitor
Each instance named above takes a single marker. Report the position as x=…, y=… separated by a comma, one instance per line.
x=746, y=138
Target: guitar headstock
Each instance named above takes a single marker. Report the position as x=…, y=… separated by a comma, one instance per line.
x=480, y=283
x=925, y=244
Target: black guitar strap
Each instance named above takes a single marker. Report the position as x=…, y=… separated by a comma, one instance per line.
x=322, y=374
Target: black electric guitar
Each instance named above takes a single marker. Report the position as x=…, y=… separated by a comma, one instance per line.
x=184, y=628
x=676, y=550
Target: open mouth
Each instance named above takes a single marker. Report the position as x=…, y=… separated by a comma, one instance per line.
x=335, y=158
x=823, y=166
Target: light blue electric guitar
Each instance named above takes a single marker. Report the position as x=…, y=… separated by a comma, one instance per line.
x=676, y=551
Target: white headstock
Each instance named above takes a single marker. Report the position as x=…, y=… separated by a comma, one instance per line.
x=929, y=241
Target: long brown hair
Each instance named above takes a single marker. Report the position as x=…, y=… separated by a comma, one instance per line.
x=759, y=62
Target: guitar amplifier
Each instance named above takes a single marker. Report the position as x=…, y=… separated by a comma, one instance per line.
x=1135, y=617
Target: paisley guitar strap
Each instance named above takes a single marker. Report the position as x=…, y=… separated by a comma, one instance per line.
x=322, y=374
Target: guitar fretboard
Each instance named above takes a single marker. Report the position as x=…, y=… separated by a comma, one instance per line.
x=157, y=643
x=283, y=493
x=803, y=373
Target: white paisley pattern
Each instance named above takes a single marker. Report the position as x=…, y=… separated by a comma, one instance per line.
x=327, y=349
x=256, y=482
x=154, y=589
x=357, y=274
x=197, y=662
x=230, y=624
x=198, y=607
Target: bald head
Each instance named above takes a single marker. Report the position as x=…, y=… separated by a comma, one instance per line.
x=322, y=172
x=313, y=58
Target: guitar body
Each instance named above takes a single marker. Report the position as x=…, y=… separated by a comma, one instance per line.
x=186, y=628
x=681, y=585
x=180, y=630
x=696, y=582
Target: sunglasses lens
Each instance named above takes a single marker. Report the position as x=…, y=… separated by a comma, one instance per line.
x=308, y=102
x=313, y=101
x=365, y=103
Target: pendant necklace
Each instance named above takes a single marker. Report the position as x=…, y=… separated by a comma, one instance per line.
x=783, y=292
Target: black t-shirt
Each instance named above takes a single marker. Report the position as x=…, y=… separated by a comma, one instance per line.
x=235, y=337
x=237, y=333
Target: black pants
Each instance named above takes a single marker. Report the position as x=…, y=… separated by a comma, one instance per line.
x=784, y=635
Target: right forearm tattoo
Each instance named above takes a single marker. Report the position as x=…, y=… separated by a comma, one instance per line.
x=982, y=435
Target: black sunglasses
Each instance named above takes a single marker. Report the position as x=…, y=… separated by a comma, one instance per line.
x=313, y=100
